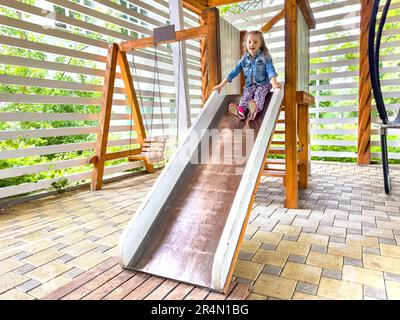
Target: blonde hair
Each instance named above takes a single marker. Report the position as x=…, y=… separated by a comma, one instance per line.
x=258, y=33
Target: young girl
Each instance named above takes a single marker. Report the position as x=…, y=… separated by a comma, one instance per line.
x=259, y=74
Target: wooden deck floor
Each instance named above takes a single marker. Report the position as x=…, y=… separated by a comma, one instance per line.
x=110, y=282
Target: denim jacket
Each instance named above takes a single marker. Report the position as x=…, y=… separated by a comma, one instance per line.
x=258, y=69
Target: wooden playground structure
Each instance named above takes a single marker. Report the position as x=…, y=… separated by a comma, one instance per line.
x=142, y=248
x=154, y=239
x=298, y=21
x=202, y=230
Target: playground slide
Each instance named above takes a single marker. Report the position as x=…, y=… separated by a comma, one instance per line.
x=190, y=223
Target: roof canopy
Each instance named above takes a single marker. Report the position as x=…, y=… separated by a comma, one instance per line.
x=200, y=5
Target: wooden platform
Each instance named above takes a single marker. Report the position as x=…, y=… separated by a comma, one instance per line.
x=110, y=282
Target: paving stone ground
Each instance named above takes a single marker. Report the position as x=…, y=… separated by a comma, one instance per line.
x=342, y=243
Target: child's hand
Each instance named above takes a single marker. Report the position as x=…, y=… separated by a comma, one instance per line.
x=218, y=87
x=276, y=85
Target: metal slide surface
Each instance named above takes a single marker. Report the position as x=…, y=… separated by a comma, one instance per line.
x=183, y=238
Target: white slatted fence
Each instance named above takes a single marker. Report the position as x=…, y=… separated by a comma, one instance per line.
x=52, y=61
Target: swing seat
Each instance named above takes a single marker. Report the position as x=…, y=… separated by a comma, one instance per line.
x=152, y=150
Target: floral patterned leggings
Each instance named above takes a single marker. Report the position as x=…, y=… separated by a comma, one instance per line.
x=258, y=92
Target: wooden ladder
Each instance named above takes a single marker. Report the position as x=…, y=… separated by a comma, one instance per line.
x=276, y=167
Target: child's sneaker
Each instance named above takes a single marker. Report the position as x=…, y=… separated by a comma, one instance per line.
x=252, y=110
x=237, y=111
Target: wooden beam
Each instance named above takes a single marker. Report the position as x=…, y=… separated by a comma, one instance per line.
x=304, y=100
x=303, y=97
x=104, y=117
x=307, y=12
x=132, y=101
x=216, y=3
x=180, y=36
x=116, y=155
x=304, y=144
x=211, y=17
x=273, y=21
x=203, y=61
x=196, y=6
x=290, y=7
x=122, y=154
x=364, y=91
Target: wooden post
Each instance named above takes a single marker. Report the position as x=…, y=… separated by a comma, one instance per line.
x=364, y=92
x=105, y=117
x=211, y=60
x=290, y=7
x=133, y=103
x=304, y=145
x=203, y=60
x=303, y=102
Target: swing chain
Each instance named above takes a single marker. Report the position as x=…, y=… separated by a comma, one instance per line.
x=152, y=149
x=180, y=69
x=157, y=72
x=140, y=94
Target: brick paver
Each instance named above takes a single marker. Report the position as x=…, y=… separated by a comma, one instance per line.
x=342, y=243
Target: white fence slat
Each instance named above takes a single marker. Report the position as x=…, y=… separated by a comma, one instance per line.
x=20, y=171
x=68, y=131
x=48, y=48
x=333, y=131
x=70, y=147
x=43, y=184
x=334, y=120
x=342, y=143
x=345, y=74
x=42, y=116
x=347, y=85
x=334, y=154
x=344, y=154
x=391, y=155
x=30, y=98
x=36, y=82
x=61, y=34
x=353, y=49
x=49, y=65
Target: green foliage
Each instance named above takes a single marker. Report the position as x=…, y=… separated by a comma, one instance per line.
x=229, y=9
x=36, y=73
x=60, y=185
